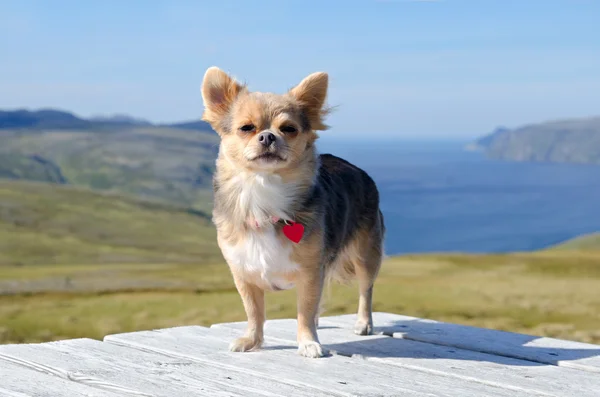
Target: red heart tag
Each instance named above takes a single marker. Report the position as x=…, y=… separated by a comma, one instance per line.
x=294, y=231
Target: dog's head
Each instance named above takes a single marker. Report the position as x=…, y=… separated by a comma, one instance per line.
x=264, y=131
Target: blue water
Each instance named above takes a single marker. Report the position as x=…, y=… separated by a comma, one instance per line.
x=438, y=198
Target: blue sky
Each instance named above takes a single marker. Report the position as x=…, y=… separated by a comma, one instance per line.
x=398, y=68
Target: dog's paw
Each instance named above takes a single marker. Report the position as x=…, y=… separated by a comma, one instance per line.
x=245, y=344
x=311, y=349
x=363, y=328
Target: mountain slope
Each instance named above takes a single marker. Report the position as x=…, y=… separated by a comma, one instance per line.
x=171, y=163
x=33, y=168
x=46, y=118
x=197, y=125
x=54, y=224
x=590, y=242
x=568, y=141
x=59, y=119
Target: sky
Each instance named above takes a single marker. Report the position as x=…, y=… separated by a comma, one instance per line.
x=445, y=69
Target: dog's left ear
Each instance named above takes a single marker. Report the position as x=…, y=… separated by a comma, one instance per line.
x=219, y=91
x=311, y=93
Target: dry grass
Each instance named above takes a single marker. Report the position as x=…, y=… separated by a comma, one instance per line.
x=550, y=293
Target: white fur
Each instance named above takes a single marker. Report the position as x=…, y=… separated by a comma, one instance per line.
x=311, y=349
x=260, y=196
x=262, y=252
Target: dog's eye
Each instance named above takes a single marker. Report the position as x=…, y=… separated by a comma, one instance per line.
x=288, y=129
x=248, y=128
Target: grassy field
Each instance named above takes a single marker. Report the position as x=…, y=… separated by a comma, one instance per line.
x=548, y=293
x=54, y=224
x=74, y=263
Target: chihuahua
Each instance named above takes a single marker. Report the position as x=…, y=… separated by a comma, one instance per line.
x=285, y=215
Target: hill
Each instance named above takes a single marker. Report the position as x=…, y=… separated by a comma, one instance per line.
x=197, y=125
x=44, y=224
x=590, y=242
x=32, y=168
x=173, y=163
x=567, y=141
x=119, y=119
x=60, y=119
x=46, y=118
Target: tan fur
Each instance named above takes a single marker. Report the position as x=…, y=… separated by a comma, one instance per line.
x=230, y=107
x=253, y=297
x=218, y=92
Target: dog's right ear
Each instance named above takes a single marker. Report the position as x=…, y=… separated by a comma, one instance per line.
x=311, y=93
x=219, y=91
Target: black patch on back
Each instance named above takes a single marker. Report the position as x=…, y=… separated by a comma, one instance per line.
x=346, y=197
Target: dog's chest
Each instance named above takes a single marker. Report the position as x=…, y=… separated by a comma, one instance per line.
x=263, y=254
x=260, y=196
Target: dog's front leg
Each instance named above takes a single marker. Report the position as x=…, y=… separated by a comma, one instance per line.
x=310, y=287
x=254, y=304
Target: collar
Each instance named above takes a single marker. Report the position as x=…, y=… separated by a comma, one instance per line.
x=294, y=231
x=254, y=224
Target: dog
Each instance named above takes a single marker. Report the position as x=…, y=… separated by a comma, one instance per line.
x=285, y=215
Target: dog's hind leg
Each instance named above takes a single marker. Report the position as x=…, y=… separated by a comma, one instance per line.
x=366, y=267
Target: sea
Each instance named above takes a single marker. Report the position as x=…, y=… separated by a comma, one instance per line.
x=438, y=197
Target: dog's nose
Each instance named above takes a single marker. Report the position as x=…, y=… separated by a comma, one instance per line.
x=266, y=138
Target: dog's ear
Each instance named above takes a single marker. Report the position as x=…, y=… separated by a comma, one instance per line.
x=311, y=93
x=219, y=91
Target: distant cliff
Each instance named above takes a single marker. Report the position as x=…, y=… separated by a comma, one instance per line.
x=566, y=141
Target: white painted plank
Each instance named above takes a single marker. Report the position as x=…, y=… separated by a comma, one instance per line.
x=130, y=372
x=336, y=375
x=19, y=381
x=468, y=365
x=582, y=356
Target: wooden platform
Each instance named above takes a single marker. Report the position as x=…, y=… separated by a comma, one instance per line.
x=409, y=357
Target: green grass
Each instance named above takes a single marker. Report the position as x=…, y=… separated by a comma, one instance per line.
x=521, y=293
x=19, y=166
x=50, y=224
x=76, y=263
